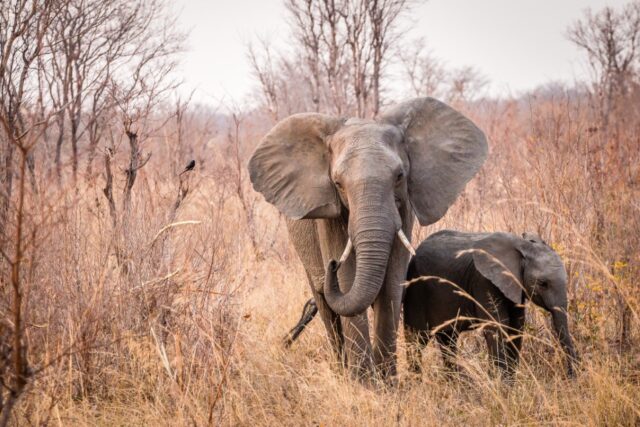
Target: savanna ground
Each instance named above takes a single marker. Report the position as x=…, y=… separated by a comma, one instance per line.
x=153, y=298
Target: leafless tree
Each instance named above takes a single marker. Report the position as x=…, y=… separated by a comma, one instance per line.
x=239, y=181
x=428, y=75
x=94, y=45
x=90, y=65
x=139, y=84
x=465, y=84
x=318, y=29
x=425, y=72
x=384, y=16
x=334, y=61
x=341, y=52
x=23, y=25
x=87, y=37
x=358, y=40
x=307, y=25
x=611, y=40
x=265, y=71
x=181, y=150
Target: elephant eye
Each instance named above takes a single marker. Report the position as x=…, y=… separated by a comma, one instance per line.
x=338, y=185
x=544, y=284
x=399, y=177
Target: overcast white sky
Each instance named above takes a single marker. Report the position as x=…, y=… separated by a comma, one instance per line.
x=517, y=44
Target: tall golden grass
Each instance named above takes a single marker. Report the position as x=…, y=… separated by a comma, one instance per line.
x=175, y=317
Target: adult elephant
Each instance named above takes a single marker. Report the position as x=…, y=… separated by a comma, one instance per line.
x=354, y=185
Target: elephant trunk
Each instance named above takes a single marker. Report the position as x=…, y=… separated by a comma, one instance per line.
x=373, y=229
x=561, y=326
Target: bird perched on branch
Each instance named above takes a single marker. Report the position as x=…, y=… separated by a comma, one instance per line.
x=190, y=166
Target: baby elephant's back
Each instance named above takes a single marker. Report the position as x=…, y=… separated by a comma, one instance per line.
x=430, y=302
x=440, y=255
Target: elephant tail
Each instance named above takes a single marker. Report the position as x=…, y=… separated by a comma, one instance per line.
x=308, y=313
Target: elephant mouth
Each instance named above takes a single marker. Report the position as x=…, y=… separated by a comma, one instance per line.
x=401, y=236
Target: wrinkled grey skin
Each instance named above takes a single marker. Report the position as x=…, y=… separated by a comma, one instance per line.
x=533, y=271
x=337, y=179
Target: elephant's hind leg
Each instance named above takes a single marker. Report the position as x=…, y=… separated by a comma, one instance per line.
x=449, y=348
x=416, y=340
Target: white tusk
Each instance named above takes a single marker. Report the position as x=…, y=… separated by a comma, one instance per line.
x=406, y=242
x=347, y=251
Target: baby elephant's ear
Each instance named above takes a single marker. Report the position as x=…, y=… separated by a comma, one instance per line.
x=497, y=258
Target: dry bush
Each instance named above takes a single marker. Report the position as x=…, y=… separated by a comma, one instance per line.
x=187, y=327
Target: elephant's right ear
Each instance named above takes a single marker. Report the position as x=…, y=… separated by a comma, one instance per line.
x=497, y=258
x=290, y=167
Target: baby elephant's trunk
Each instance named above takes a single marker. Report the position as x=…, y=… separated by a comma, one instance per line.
x=561, y=325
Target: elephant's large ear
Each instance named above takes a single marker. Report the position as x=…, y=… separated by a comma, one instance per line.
x=445, y=150
x=290, y=167
x=498, y=259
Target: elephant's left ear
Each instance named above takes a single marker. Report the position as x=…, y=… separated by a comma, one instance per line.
x=445, y=150
x=498, y=259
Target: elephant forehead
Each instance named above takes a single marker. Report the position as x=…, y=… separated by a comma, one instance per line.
x=551, y=257
x=549, y=261
x=365, y=161
x=363, y=132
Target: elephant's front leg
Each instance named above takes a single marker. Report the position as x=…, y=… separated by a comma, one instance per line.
x=494, y=336
x=387, y=308
x=304, y=236
x=332, y=325
x=355, y=330
x=501, y=348
x=514, y=344
x=386, y=317
x=358, y=346
x=357, y=343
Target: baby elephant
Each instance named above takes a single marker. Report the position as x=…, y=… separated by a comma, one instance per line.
x=497, y=270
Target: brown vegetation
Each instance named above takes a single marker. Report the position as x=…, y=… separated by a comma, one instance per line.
x=133, y=294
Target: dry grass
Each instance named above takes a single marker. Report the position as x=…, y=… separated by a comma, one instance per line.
x=183, y=327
